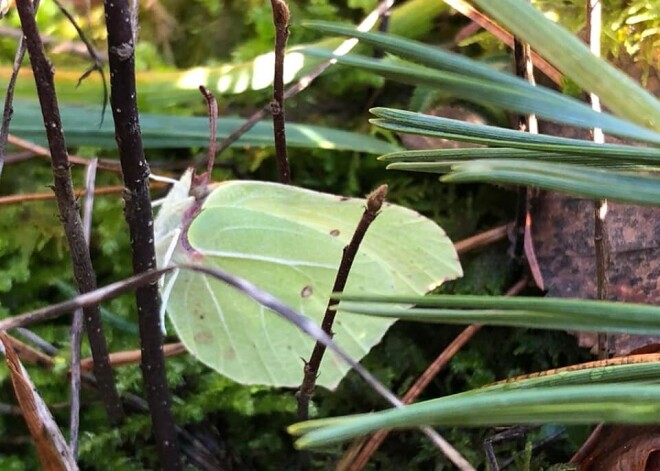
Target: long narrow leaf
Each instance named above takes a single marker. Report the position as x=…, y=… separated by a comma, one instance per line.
x=616, y=403
x=577, y=180
x=81, y=128
x=514, y=98
x=419, y=123
x=545, y=313
x=570, y=55
x=159, y=90
x=442, y=160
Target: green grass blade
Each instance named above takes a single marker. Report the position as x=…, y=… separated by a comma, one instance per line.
x=545, y=104
x=572, y=57
x=547, y=313
x=586, y=404
x=81, y=128
x=573, y=179
x=435, y=126
x=562, y=305
x=433, y=159
x=161, y=90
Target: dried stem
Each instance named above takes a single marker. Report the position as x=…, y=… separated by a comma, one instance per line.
x=306, y=80
x=30, y=197
x=139, y=217
x=9, y=95
x=82, y=263
x=483, y=239
x=104, y=164
x=374, y=203
x=361, y=450
x=311, y=371
x=524, y=68
x=281, y=21
x=212, y=107
x=601, y=246
x=77, y=323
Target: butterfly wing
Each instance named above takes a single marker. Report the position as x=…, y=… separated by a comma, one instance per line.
x=289, y=241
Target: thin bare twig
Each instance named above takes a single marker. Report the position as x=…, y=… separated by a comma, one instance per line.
x=30, y=197
x=360, y=451
x=496, y=30
x=306, y=80
x=9, y=95
x=601, y=245
x=77, y=323
x=139, y=217
x=524, y=68
x=104, y=164
x=374, y=202
x=130, y=357
x=281, y=21
x=70, y=218
x=483, y=239
x=97, y=61
x=212, y=105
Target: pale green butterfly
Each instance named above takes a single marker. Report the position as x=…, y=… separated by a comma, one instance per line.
x=288, y=241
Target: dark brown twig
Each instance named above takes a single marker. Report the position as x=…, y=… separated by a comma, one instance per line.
x=81, y=301
x=281, y=21
x=305, y=81
x=374, y=202
x=360, y=451
x=70, y=218
x=139, y=217
x=212, y=108
x=601, y=246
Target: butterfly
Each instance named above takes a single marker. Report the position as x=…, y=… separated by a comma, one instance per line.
x=288, y=241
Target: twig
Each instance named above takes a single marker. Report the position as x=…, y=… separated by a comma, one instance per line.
x=139, y=217
x=9, y=95
x=104, y=164
x=496, y=30
x=82, y=300
x=359, y=453
x=212, y=106
x=30, y=197
x=481, y=240
x=305, y=81
x=82, y=263
x=77, y=323
x=374, y=202
x=601, y=246
x=281, y=21
x=524, y=68
x=131, y=357
x=98, y=62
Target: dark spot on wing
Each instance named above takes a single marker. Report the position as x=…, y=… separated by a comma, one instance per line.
x=344, y=198
x=204, y=337
x=334, y=232
x=306, y=292
x=229, y=354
